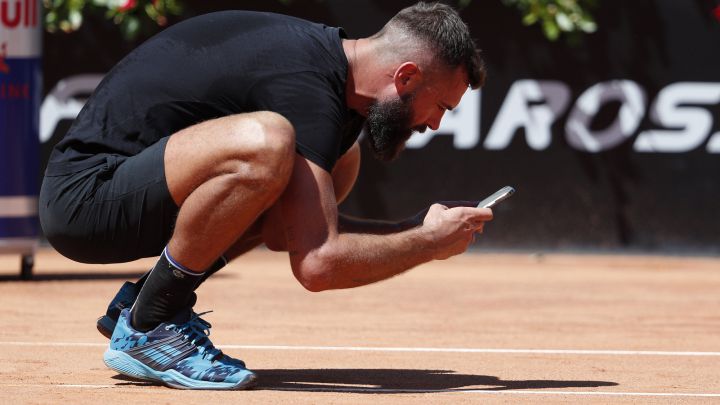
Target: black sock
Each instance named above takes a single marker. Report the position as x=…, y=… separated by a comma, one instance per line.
x=214, y=268
x=219, y=264
x=167, y=290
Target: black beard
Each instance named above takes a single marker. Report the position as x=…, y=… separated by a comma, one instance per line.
x=388, y=126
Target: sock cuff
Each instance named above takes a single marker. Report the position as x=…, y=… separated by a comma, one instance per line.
x=179, y=266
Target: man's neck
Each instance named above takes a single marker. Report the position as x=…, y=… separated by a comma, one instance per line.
x=362, y=84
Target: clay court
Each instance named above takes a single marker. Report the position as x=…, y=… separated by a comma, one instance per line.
x=478, y=328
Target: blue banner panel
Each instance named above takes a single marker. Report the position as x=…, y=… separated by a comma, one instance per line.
x=20, y=95
x=19, y=227
x=19, y=145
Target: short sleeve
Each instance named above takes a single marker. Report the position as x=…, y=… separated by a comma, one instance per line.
x=312, y=106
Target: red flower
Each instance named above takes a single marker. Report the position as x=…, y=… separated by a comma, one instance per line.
x=129, y=5
x=716, y=12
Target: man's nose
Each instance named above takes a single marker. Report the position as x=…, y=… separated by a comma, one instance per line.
x=434, y=121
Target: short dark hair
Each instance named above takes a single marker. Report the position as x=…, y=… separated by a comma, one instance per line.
x=441, y=27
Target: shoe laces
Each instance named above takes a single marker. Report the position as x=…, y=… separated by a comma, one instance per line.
x=197, y=332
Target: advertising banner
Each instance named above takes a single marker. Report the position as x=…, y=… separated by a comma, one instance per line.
x=20, y=97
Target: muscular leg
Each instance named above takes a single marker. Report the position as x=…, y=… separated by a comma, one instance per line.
x=267, y=226
x=268, y=229
x=223, y=174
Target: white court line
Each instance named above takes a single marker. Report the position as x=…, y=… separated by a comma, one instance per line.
x=407, y=349
x=477, y=350
x=405, y=391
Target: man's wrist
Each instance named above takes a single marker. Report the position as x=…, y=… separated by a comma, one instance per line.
x=425, y=239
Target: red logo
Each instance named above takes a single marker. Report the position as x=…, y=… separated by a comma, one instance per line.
x=4, y=68
x=24, y=12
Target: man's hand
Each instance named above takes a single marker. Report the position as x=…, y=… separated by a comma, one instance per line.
x=452, y=230
x=419, y=218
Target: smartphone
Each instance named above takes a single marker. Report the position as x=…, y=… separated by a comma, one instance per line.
x=496, y=197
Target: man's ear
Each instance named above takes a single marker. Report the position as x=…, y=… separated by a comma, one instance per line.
x=407, y=78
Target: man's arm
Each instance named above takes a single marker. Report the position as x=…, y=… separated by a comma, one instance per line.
x=323, y=258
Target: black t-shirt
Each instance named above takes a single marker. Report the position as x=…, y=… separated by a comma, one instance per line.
x=213, y=66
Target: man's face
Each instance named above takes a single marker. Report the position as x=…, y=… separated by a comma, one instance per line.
x=391, y=122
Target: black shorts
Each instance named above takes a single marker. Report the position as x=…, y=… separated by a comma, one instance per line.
x=117, y=211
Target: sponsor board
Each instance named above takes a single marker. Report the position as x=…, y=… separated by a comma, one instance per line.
x=20, y=95
x=679, y=113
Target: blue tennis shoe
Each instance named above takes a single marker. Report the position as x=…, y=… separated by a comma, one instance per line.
x=177, y=354
x=124, y=298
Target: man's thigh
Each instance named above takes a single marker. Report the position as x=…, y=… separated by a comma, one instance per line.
x=270, y=225
x=117, y=212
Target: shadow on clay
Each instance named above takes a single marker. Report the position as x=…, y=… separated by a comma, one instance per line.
x=400, y=381
x=388, y=381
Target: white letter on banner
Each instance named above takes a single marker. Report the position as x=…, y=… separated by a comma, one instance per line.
x=713, y=145
x=463, y=124
x=63, y=103
x=577, y=127
x=693, y=124
x=537, y=119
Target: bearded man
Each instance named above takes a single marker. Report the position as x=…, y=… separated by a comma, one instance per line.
x=236, y=128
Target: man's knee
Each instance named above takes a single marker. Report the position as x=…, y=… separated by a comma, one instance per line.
x=278, y=148
x=273, y=147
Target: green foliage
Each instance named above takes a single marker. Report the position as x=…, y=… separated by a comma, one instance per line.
x=557, y=17
x=64, y=15
x=132, y=16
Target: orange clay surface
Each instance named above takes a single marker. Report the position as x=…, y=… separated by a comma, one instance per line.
x=479, y=328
